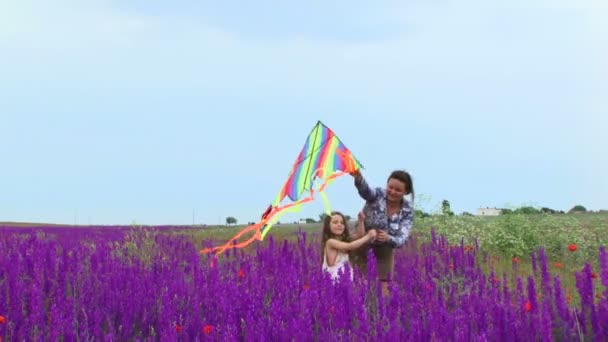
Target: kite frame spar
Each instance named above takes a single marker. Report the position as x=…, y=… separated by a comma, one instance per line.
x=323, y=156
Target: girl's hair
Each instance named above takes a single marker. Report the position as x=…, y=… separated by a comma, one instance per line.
x=326, y=233
x=405, y=178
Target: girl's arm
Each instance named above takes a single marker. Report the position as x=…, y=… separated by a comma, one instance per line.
x=360, y=229
x=349, y=246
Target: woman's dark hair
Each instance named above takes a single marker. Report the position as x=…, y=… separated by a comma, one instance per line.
x=405, y=178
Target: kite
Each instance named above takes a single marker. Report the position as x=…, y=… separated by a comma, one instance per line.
x=323, y=157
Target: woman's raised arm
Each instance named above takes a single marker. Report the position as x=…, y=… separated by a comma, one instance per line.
x=365, y=191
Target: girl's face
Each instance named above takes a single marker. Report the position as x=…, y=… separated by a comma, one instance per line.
x=336, y=225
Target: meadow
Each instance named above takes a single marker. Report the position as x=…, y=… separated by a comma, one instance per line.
x=508, y=278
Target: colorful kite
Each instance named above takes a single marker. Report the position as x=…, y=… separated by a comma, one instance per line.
x=323, y=157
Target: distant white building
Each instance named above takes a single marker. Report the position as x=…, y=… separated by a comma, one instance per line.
x=488, y=211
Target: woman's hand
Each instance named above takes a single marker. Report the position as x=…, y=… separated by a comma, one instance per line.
x=382, y=236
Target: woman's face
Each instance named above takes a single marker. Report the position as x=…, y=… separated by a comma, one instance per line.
x=395, y=190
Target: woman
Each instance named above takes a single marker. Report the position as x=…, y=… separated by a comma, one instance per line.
x=387, y=211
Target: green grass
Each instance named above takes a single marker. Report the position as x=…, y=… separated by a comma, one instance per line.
x=520, y=235
x=222, y=234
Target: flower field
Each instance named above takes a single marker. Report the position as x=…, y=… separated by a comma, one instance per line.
x=129, y=284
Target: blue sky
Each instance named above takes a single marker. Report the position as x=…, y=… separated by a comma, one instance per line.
x=113, y=112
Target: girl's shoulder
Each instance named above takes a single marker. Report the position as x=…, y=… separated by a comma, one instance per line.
x=334, y=243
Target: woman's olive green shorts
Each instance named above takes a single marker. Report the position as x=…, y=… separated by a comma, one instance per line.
x=385, y=258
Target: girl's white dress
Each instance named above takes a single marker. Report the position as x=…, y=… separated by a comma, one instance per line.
x=341, y=261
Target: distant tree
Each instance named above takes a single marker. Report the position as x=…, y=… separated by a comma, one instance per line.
x=322, y=217
x=546, y=210
x=310, y=220
x=230, y=220
x=466, y=213
x=420, y=213
x=445, y=208
x=506, y=211
x=347, y=217
x=578, y=208
x=527, y=210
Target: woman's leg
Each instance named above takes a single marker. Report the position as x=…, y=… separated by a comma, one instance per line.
x=358, y=258
x=386, y=265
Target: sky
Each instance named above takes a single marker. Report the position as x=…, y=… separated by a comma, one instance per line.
x=181, y=112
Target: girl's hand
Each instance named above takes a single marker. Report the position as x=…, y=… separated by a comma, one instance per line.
x=372, y=234
x=361, y=216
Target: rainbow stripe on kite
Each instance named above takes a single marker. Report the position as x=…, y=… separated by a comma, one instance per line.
x=323, y=155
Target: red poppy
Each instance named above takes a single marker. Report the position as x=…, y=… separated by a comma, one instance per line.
x=306, y=287
x=528, y=306
x=594, y=275
x=2, y=320
x=207, y=329
x=515, y=259
x=572, y=247
x=178, y=328
x=558, y=265
x=241, y=273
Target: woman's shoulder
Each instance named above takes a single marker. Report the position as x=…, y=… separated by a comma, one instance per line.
x=407, y=205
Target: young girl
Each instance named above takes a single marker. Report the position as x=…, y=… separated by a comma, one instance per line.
x=335, y=243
